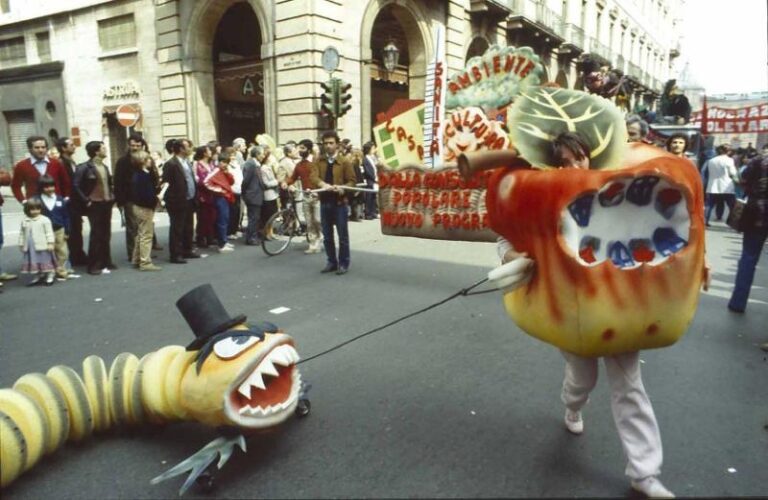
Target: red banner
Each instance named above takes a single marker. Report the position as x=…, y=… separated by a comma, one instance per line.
x=746, y=120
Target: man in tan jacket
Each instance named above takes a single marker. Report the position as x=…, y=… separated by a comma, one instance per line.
x=332, y=171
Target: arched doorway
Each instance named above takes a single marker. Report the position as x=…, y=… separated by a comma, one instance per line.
x=387, y=87
x=562, y=79
x=238, y=75
x=477, y=48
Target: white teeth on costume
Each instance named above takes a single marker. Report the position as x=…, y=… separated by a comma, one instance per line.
x=629, y=221
x=268, y=368
x=283, y=355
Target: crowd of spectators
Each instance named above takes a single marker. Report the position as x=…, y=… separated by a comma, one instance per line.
x=214, y=195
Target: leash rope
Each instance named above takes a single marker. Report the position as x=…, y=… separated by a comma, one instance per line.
x=464, y=292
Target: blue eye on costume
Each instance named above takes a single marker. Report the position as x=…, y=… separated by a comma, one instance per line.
x=640, y=191
x=581, y=209
x=667, y=242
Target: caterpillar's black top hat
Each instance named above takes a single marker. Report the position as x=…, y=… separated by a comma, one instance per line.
x=205, y=314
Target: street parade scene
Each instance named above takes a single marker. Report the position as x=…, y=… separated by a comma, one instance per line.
x=383, y=249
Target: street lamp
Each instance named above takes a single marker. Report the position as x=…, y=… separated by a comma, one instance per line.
x=391, y=55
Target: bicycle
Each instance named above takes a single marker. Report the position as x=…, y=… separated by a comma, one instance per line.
x=282, y=227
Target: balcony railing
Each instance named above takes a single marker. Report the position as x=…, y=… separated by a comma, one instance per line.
x=600, y=49
x=550, y=19
x=574, y=35
x=619, y=62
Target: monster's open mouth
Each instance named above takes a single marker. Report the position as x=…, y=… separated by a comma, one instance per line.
x=268, y=389
x=629, y=221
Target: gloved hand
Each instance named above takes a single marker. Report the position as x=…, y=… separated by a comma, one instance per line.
x=514, y=274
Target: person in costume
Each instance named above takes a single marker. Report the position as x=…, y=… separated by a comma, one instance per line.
x=630, y=405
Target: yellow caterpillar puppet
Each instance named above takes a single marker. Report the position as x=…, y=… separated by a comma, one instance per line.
x=231, y=376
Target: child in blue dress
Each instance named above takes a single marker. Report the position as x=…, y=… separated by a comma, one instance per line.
x=36, y=240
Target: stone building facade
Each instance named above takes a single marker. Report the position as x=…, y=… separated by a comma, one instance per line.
x=224, y=68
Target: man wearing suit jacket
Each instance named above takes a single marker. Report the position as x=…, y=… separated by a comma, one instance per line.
x=369, y=173
x=180, y=201
x=27, y=172
x=332, y=171
x=253, y=196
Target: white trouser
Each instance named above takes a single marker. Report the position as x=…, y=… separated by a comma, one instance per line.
x=632, y=410
x=311, y=208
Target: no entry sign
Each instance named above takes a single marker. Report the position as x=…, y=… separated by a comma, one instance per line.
x=128, y=115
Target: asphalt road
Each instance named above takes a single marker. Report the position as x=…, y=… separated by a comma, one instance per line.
x=455, y=402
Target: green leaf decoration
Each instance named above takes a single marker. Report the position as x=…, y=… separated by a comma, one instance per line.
x=542, y=113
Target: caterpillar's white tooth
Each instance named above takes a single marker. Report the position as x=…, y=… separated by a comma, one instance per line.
x=267, y=367
x=245, y=389
x=244, y=409
x=281, y=356
x=292, y=352
x=256, y=380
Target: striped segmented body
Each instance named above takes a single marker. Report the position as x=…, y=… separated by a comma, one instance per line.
x=43, y=411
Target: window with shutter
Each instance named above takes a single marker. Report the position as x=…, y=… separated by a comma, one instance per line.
x=12, y=52
x=117, y=33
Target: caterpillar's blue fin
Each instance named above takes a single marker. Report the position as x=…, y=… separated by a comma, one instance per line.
x=199, y=462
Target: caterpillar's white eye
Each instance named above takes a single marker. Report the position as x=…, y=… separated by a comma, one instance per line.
x=231, y=347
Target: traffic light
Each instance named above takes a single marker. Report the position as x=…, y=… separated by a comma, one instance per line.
x=344, y=98
x=329, y=98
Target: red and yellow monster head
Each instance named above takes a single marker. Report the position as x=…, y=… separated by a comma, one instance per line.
x=619, y=253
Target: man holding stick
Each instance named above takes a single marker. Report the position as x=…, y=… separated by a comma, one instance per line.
x=331, y=173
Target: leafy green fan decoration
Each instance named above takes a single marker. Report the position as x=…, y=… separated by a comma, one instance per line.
x=542, y=113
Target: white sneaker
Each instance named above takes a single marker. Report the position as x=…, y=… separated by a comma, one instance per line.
x=574, y=422
x=225, y=249
x=106, y=271
x=229, y=245
x=651, y=487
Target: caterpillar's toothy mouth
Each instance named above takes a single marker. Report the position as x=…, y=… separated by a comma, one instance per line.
x=268, y=390
x=629, y=221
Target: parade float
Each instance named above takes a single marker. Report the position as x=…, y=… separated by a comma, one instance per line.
x=619, y=247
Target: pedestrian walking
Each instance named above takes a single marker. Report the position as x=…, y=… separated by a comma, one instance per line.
x=5, y=180
x=332, y=172
x=755, y=227
x=205, y=230
x=253, y=196
x=142, y=199
x=56, y=209
x=27, y=172
x=220, y=182
x=268, y=178
x=180, y=202
x=93, y=185
x=236, y=170
x=370, y=164
x=302, y=174
x=721, y=173
x=36, y=240
x=77, y=256
x=632, y=411
x=123, y=177
x=285, y=169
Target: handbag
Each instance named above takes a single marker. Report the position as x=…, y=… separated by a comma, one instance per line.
x=5, y=177
x=737, y=217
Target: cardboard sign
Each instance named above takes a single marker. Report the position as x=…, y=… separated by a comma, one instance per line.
x=495, y=78
x=400, y=139
x=433, y=203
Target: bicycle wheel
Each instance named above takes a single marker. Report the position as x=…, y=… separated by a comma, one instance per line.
x=278, y=232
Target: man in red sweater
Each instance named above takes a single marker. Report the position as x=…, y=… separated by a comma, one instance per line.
x=28, y=171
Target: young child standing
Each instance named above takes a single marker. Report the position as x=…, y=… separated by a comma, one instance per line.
x=36, y=241
x=56, y=209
